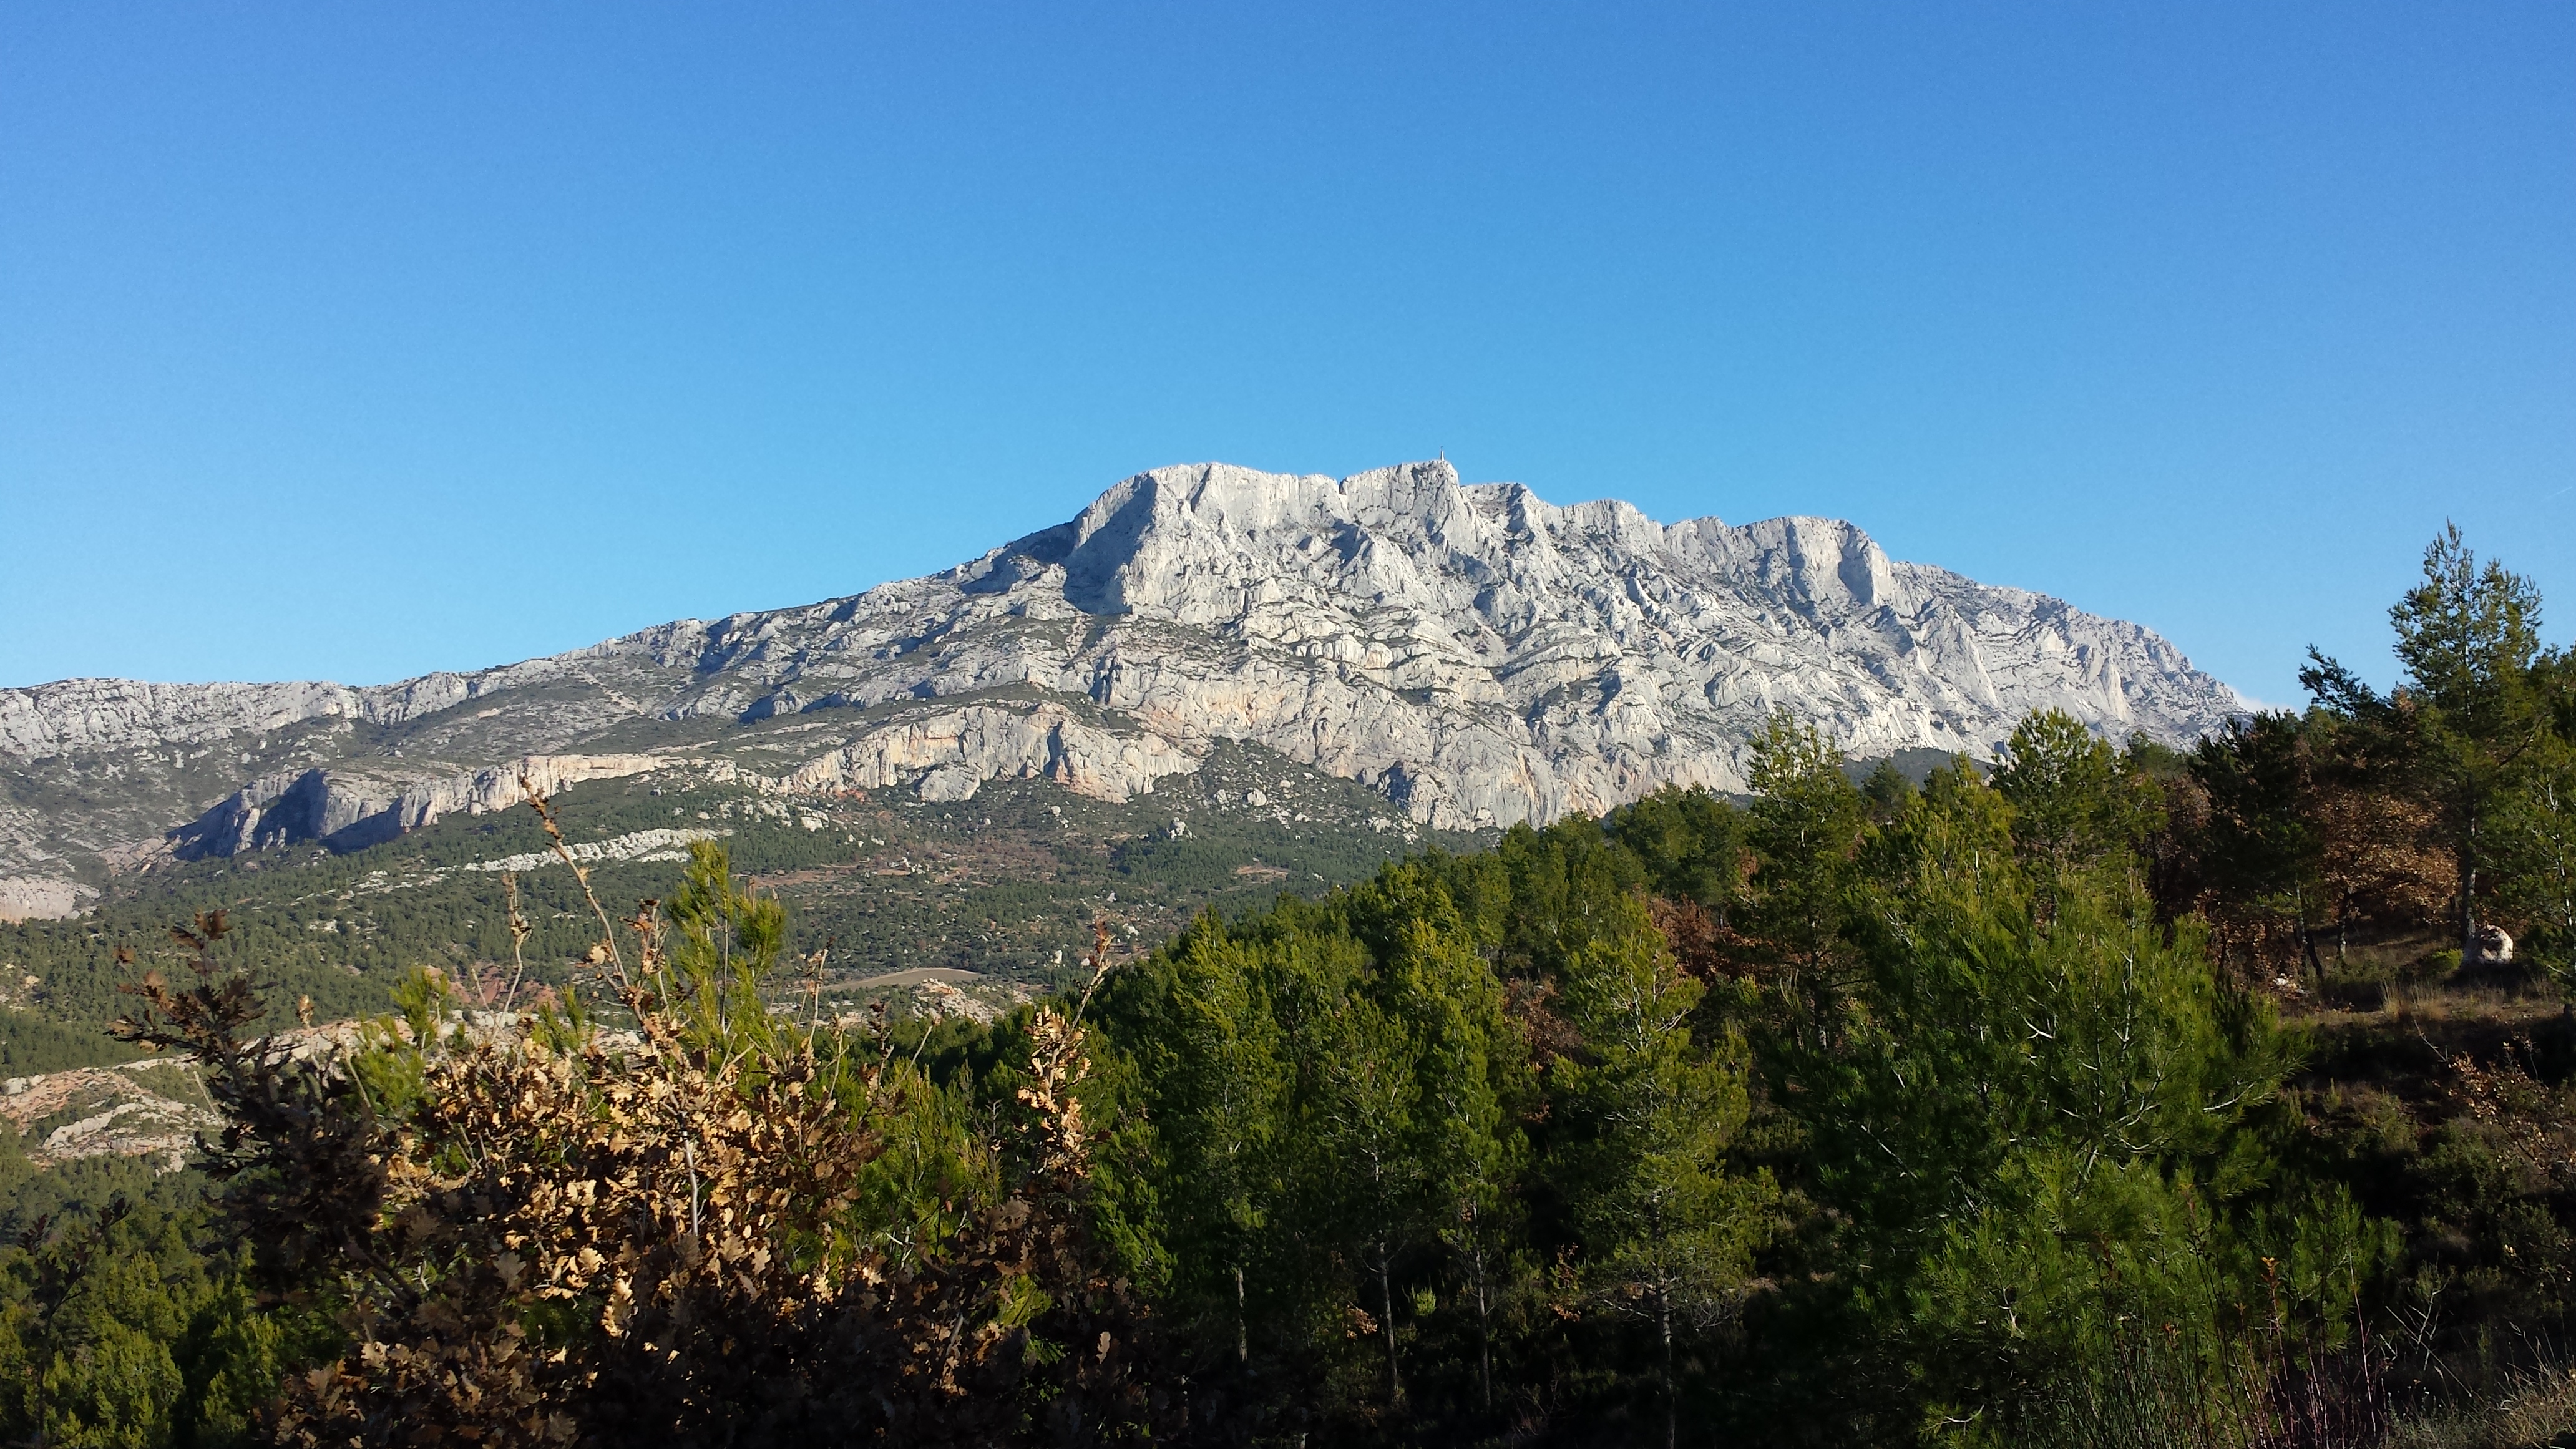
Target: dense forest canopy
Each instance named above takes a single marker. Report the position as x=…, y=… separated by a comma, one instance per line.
x=2101, y=1093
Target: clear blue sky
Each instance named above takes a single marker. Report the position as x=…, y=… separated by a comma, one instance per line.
x=354, y=341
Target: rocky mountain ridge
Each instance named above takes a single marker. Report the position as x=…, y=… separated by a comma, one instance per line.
x=1472, y=653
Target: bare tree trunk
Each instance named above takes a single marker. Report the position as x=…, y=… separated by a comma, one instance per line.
x=1386, y=1295
x=1242, y=1332
x=2468, y=904
x=1672, y=1405
x=1484, y=1334
x=2307, y=937
x=2469, y=893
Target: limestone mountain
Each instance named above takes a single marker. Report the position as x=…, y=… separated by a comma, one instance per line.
x=1474, y=655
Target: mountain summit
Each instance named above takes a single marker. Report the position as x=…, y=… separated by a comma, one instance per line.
x=1472, y=653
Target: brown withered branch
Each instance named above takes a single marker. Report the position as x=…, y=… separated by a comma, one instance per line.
x=598, y=1244
x=519, y=933
x=604, y=952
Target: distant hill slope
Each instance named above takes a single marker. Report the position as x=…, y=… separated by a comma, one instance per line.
x=1472, y=655
x=935, y=908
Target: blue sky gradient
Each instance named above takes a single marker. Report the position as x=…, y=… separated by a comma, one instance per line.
x=358, y=341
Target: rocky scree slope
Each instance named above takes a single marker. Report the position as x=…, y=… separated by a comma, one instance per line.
x=1474, y=654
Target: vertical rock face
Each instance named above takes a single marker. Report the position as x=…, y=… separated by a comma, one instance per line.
x=1488, y=657
x=1473, y=652
x=351, y=809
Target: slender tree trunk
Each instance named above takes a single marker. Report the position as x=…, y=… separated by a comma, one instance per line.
x=2307, y=937
x=1485, y=1339
x=2469, y=885
x=2468, y=904
x=1386, y=1295
x=1242, y=1331
x=1672, y=1405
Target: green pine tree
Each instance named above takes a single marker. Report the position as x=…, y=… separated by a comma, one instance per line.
x=1669, y=1231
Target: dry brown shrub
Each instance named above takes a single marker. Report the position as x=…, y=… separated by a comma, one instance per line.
x=575, y=1237
x=2384, y=857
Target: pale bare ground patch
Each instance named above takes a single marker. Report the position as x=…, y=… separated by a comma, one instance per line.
x=147, y=1108
x=922, y=975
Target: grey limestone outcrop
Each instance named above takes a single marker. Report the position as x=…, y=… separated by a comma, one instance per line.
x=1477, y=655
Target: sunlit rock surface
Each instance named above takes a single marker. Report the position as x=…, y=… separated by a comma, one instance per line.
x=1476, y=655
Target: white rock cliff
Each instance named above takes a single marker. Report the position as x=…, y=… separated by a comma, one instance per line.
x=1473, y=653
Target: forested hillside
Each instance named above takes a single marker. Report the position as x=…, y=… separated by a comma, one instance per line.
x=2102, y=1093
x=1004, y=886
